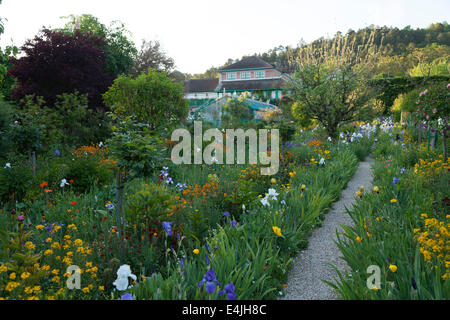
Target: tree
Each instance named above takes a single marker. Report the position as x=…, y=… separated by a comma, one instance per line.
x=152, y=97
x=120, y=50
x=151, y=56
x=56, y=62
x=6, y=81
x=330, y=85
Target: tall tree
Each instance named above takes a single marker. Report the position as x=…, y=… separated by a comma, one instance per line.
x=119, y=48
x=152, y=56
x=56, y=62
x=330, y=85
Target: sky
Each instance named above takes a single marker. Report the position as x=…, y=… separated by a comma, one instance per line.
x=199, y=34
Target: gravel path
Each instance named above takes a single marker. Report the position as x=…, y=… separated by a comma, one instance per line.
x=310, y=265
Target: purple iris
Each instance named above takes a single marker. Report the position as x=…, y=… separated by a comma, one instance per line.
x=211, y=281
x=402, y=170
x=57, y=153
x=127, y=296
x=233, y=223
x=206, y=259
x=207, y=247
x=229, y=290
x=395, y=181
x=226, y=214
x=181, y=262
x=168, y=227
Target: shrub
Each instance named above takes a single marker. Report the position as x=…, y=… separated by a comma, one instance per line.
x=153, y=98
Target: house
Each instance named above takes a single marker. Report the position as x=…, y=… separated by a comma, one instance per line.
x=259, y=79
x=200, y=91
x=254, y=75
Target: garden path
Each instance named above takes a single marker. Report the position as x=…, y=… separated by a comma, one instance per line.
x=311, y=265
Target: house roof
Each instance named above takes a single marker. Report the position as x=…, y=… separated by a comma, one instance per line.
x=243, y=85
x=248, y=63
x=200, y=85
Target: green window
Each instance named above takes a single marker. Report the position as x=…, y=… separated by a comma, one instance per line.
x=245, y=75
x=260, y=74
x=231, y=75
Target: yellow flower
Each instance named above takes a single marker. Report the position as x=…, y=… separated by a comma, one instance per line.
x=51, y=298
x=55, y=271
x=273, y=180
x=375, y=288
x=359, y=194
x=39, y=227
x=303, y=187
x=361, y=189
x=48, y=252
x=12, y=276
x=101, y=288
x=196, y=251
x=292, y=174
x=3, y=268
x=11, y=286
x=55, y=279
x=393, y=200
x=25, y=275
x=393, y=267
x=56, y=245
x=85, y=290
x=48, y=240
x=69, y=253
x=29, y=245
x=358, y=239
x=46, y=267
x=277, y=231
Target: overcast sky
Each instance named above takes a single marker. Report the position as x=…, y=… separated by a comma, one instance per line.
x=199, y=34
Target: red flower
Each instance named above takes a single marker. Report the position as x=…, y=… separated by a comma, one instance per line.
x=73, y=203
x=43, y=184
x=71, y=180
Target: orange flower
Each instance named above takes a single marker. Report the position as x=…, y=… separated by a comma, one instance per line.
x=43, y=184
x=48, y=190
x=358, y=239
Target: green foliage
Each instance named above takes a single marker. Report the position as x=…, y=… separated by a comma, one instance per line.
x=87, y=171
x=70, y=121
x=388, y=89
x=406, y=102
x=235, y=111
x=6, y=116
x=14, y=182
x=135, y=148
x=333, y=95
x=152, y=97
x=148, y=202
x=120, y=50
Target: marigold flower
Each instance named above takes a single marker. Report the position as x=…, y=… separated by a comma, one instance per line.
x=25, y=275
x=277, y=231
x=358, y=239
x=393, y=200
x=43, y=184
x=12, y=276
x=39, y=227
x=196, y=251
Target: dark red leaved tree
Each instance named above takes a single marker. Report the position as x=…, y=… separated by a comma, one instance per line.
x=57, y=62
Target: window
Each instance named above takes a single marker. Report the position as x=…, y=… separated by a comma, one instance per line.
x=260, y=74
x=245, y=75
x=231, y=75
